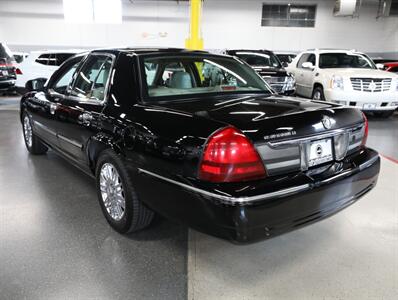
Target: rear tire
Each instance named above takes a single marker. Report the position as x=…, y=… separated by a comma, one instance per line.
x=117, y=197
x=32, y=142
x=318, y=94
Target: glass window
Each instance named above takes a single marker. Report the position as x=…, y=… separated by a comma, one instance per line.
x=43, y=59
x=52, y=60
x=344, y=60
x=259, y=59
x=302, y=60
x=183, y=76
x=65, y=79
x=92, y=79
x=288, y=15
x=62, y=57
x=311, y=59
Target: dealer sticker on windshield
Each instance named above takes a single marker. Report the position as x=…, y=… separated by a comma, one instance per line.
x=320, y=152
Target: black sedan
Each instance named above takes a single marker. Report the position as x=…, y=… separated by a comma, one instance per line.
x=200, y=139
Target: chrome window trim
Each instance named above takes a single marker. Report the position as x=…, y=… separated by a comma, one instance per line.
x=230, y=199
x=249, y=200
x=72, y=142
x=313, y=137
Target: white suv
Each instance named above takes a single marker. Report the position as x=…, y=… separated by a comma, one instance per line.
x=346, y=77
x=41, y=64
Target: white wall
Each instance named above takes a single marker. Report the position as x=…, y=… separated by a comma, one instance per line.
x=226, y=24
x=236, y=23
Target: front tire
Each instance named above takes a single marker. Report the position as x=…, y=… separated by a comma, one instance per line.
x=117, y=197
x=32, y=142
x=318, y=94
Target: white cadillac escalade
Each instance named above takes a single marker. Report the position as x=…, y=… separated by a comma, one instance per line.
x=346, y=77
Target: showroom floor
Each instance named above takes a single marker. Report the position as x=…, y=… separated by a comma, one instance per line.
x=55, y=243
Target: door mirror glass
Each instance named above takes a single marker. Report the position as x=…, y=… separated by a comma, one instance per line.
x=35, y=84
x=285, y=64
x=308, y=65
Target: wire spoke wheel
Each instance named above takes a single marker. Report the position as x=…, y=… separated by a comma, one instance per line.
x=112, y=192
x=27, y=129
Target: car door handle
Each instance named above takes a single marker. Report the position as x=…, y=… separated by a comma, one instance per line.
x=86, y=118
x=53, y=108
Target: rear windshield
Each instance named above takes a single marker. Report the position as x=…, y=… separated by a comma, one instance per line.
x=345, y=60
x=259, y=59
x=174, y=77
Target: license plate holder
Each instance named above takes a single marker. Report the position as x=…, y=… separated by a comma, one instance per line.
x=369, y=106
x=320, y=152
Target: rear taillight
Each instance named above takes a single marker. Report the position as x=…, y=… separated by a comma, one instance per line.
x=229, y=156
x=366, y=132
x=18, y=71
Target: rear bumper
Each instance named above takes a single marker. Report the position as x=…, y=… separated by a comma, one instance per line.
x=262, y=213
x=7, y=84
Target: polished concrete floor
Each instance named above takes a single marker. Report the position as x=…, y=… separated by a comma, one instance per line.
x=55, y=243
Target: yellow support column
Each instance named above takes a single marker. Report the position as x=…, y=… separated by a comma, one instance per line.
x=195, y=41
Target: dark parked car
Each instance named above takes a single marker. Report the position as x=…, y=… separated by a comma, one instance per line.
x=7, y=69
x=201, y=139
x=267, y=64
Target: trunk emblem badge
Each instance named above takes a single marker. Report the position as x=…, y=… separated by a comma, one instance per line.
x=319, y=150
x=327, y=123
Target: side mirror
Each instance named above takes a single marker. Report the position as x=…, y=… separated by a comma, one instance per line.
x=35, y=84
x=308, y=65
x=285, y=64
x=380, y=66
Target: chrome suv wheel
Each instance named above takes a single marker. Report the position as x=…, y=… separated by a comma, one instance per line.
x=32, y=142
x=119, y=201
x=112, y=191
x=27, y=129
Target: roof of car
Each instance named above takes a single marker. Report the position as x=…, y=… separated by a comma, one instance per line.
x=147, y=50
x=249, y=50
x=331, y=50
x=58, y=51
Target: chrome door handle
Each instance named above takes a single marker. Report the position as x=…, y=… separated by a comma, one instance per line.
x=53, y=108
x=86, y=118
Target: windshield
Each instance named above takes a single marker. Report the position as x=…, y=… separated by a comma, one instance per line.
x=259, y=59
x=183, y=76
x=345, y=60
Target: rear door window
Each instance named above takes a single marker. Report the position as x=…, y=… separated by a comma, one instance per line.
x=43, y=59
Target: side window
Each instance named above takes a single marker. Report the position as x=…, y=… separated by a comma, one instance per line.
x=52, y=60
x=311, y=59
x=93, y=77
x=302, y=60
x=62, y=57
x=43, y=59
x=63, y=82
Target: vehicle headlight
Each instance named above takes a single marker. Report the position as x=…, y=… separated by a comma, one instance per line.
x=337, y=82
x=290, y=82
